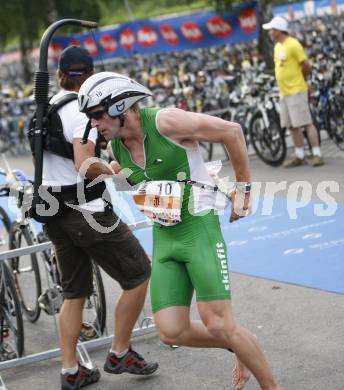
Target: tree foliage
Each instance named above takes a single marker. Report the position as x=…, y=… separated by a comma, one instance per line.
x=21, y=19
x=76, y=9
x=25, y=20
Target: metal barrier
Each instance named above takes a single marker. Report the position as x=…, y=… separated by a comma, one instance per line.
x=2, y=384
x=145, y=326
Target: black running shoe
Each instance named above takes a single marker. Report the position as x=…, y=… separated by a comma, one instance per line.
x=131, y=362
x=82, y=378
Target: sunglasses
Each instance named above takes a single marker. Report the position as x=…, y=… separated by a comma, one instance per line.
x=96, y=114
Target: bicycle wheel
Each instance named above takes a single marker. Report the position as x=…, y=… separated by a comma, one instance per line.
x=11, y=320
x=94, y=314
x=5, y=224
x=269, y=143
x=335, y=122
x=26, y=274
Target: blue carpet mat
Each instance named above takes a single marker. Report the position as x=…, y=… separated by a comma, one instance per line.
x=308, y=251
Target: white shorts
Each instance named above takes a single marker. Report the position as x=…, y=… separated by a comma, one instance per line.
x=295, y=110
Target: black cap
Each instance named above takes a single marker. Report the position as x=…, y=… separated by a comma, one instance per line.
x=73, y=56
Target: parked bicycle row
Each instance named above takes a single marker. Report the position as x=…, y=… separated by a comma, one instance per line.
x=254, y=103
x=15, y=115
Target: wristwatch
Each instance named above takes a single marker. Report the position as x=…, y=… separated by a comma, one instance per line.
x=245, y=188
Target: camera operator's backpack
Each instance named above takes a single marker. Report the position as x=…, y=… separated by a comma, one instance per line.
x=54, y=140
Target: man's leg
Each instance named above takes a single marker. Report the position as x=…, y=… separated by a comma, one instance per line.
x=297, y=137
x=313, y=137
x=312, y=134
x=175, y=328
x=124, y=260
x=121, y=357
x=299, y=149
x=221, y=331
x=218, y=318
x=70, y=321
x=127, y=311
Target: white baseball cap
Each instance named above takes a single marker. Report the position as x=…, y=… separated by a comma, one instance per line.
x=278, y=23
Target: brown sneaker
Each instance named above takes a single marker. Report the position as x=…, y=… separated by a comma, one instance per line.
x=295, y=162
x=317, y=161
x=83, y=377
x=131, y=362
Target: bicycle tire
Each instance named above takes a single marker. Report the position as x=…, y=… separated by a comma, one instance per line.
x=95, y=327
x=9, y=310
x=30, y=305
x=335, y=130
x=5, y=223
x=270, y=147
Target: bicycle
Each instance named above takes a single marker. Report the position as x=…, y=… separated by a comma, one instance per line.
x=27, y=277
x=254, y=104
x=327, y=106
x=265, y=132
x=11, y=320
x=15, y=114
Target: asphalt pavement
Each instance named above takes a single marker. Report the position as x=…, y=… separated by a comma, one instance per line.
x=300, y=329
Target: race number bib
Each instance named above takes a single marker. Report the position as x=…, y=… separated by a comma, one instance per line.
x=160, y=201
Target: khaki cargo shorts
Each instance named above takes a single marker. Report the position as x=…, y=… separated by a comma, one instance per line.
x=295, y=110
x=118, y=252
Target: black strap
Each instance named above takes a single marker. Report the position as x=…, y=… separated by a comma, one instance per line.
x=68, y=193
x=208, y=187
x=67, y=150
x=62, y=101
x=88, y=128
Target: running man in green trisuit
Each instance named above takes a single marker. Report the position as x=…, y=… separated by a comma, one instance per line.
x=160, y=147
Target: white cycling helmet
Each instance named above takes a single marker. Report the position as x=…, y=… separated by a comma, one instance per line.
x=112, y=90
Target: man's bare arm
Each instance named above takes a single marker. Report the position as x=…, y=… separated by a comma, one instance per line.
x=306, y=68
x=187, y=128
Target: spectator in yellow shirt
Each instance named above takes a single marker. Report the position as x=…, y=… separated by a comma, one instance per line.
x=291, y=70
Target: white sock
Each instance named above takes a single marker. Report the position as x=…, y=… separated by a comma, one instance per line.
x=119, y=354
x=71, y=371
x=300, y=153
x=316, y=151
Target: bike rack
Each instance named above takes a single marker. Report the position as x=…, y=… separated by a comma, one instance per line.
x=145, y=326
x=2, y=384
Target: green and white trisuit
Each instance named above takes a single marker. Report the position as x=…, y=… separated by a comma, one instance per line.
x=192, y=254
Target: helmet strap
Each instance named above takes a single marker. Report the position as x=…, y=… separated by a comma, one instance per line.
x=121, y=120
